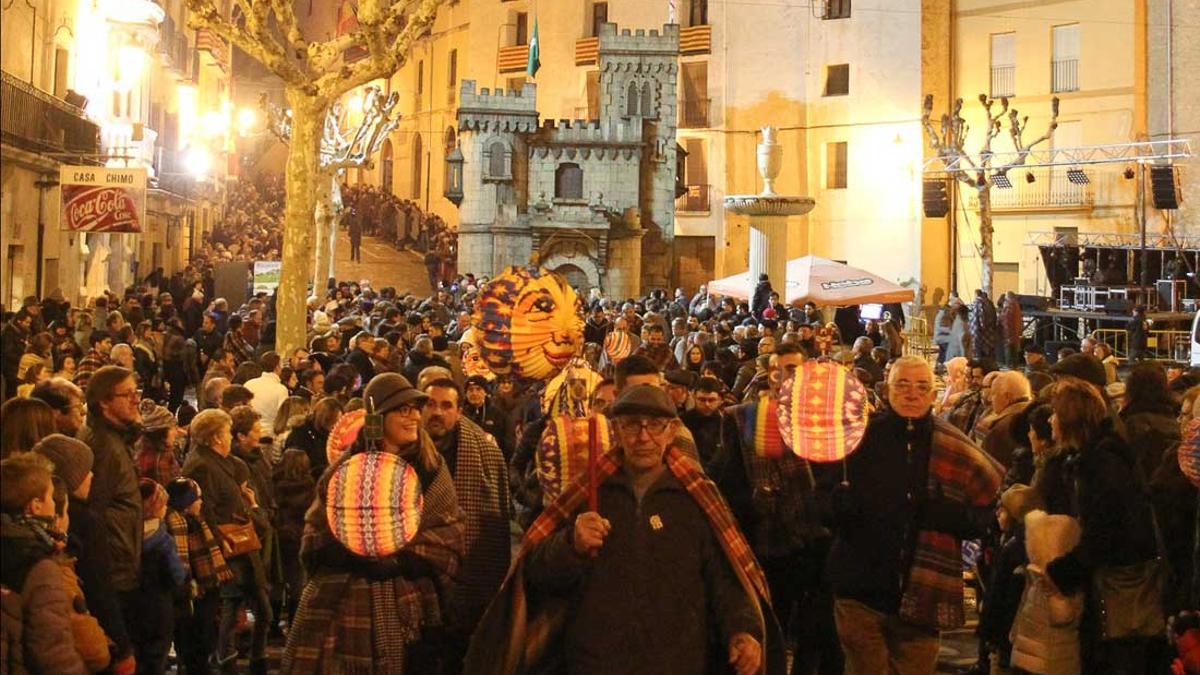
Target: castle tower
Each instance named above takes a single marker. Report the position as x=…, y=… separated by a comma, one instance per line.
x=492, y=129
x=638, y=82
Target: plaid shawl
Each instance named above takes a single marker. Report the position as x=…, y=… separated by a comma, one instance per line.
x=933, y=594
x=349, y=623
x=513, y=635
x=197, y=545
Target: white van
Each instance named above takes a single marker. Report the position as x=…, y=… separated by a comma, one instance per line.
x=1195, y=360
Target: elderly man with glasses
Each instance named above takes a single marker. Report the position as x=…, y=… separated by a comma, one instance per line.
x=655, y=576
x=905, y=499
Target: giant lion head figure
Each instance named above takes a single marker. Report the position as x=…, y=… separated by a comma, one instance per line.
x=527, y=323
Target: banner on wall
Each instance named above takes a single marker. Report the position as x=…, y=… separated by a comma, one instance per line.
x=97, y=199
x=266, y=276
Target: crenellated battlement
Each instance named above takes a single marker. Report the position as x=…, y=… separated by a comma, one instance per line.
x=588, y=132
x=639, y=41
x=500, y=100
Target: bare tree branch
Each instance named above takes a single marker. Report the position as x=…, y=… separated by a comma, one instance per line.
x=257, y=41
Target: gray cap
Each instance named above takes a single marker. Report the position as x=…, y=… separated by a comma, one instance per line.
x=1087, y=368
x=642, y=399
x=72, y=458
x=388, y=391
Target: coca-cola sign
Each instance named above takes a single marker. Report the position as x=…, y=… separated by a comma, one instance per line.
x=96, y=199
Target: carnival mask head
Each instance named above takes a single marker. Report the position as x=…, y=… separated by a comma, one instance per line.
x=527, y=323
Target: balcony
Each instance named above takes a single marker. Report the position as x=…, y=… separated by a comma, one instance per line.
x=513, y=59
x=1050, y=191
x=1064, y=75
x=695, y=201
x=695, y=40
x=208, y=41
x=693, y=113
x=587, y=51
x=1004, y=81
x=36, y=121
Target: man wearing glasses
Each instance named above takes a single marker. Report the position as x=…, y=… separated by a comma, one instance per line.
x=111, y=429
x=657, y=578
x=908, y=496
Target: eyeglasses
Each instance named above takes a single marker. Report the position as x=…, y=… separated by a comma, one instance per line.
x=919, y=387
x=633, y=425
x=128, y=395
x=408, y=409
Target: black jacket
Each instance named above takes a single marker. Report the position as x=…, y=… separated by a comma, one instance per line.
x=706, y=431
x=494, y=422
x=596, y=331
x=761, y=299
x=114, y=498
x=306, y=437
x=220, y=479
x=679, y=602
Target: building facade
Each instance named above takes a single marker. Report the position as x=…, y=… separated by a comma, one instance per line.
x=120, y=84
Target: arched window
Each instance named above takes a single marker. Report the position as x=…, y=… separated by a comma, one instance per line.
x=631, y=100
x=568, y=181
x=648, y=100
x=499, y=160
x=449, y=140
x=385, y=166
x=418, y=163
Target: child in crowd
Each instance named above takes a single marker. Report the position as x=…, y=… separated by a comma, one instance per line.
x=163, y=576
x=196, y=611
x=1045, y=635
x=1007, y=580
x=37, y=634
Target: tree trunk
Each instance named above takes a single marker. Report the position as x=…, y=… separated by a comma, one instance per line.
x=985, y=239
x=326, y=226
x=302, y=173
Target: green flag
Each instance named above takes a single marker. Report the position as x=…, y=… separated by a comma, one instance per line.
x=535, y=48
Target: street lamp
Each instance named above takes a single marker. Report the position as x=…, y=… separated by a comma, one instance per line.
x=454, y=176
x=198, y=161
x=247, y=119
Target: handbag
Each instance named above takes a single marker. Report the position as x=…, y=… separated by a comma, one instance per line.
x=1130, y=597
x=241, y=538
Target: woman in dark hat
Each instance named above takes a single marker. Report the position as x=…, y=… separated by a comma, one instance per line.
x=370, y=614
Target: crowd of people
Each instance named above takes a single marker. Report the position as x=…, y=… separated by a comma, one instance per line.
x=167, y=470
x=403, y=224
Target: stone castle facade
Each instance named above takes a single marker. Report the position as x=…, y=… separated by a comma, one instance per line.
x=591, y=199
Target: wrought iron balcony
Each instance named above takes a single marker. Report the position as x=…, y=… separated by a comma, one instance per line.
x=1050, y=190
x=1064, y=75
x=1004, y=81
x=693, y=113
x=696, y=200
x=34, y=120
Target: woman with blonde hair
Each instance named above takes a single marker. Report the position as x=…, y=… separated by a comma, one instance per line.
x=292, y=413
x=312, y=435
x=956, y=383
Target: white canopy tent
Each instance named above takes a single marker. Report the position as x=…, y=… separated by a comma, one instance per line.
x=824, y=282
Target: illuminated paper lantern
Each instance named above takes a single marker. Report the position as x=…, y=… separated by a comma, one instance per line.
x=618, y=345
x=344, y=433
x=823, y=412
x=373, y=503
x=527, y=323
x=562, y=453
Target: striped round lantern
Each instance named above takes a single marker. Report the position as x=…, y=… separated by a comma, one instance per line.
x=823, y=412
x=562, y=452
x=344, y=433
x=1189, y=452
x=618, y=345
x=373, y=503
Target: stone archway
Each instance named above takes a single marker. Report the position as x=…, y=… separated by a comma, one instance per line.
x=580, y=270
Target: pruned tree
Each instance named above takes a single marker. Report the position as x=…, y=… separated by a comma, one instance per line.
x=315, y=74
x=977, y=171
x=345, y=144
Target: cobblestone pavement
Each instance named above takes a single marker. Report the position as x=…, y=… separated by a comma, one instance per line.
x=383, y=264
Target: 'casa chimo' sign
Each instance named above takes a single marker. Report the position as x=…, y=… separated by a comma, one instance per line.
x=98, y=199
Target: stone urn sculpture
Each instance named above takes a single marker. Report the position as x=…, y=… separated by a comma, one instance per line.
x=770, y=159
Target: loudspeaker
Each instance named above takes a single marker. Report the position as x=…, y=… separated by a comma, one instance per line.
x=1164, y=187
x=1035, y=303
x=1120, y=306
x=937, y=203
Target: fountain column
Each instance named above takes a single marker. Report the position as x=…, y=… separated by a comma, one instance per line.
x=769, y=213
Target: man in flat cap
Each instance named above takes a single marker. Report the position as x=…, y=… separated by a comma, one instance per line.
x=656, y=579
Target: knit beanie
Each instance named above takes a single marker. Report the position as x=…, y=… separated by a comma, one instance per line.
x=72, y=458
x=153, y=496
x=155, y=417
x=182, y=493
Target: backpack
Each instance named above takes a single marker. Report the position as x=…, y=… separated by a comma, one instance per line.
x=12, y=650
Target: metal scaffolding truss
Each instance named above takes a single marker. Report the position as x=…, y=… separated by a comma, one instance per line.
x=1114, y=153
x=1113, y=240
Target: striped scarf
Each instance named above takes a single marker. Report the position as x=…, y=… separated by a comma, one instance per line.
x=511, y=638
x=933, y=595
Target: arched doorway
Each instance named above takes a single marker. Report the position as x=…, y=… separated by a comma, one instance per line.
x=418, y=163
x=385, y=166
x=575, y=276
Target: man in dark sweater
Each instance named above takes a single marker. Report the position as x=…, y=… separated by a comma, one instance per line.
x=704, y=420
x=909, y=494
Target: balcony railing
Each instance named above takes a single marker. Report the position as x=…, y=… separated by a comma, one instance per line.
x=36, y=121
x=693, y=113
x=1004, y=81
x=1051, y=190
x=695, y=200
x=1064, y=75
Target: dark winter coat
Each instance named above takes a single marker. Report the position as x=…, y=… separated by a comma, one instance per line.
x=312, y=441
x=984, y=328
x=1003, y=593
x=220, y=480
x=706, y=431
x=114, y=498
x=88, y=543
x=27, y=566
x=595, y=331
x=1156, y=429
x=761, y=298
x=680, y=601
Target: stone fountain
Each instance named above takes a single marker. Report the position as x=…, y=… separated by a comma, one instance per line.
x=769, y=216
